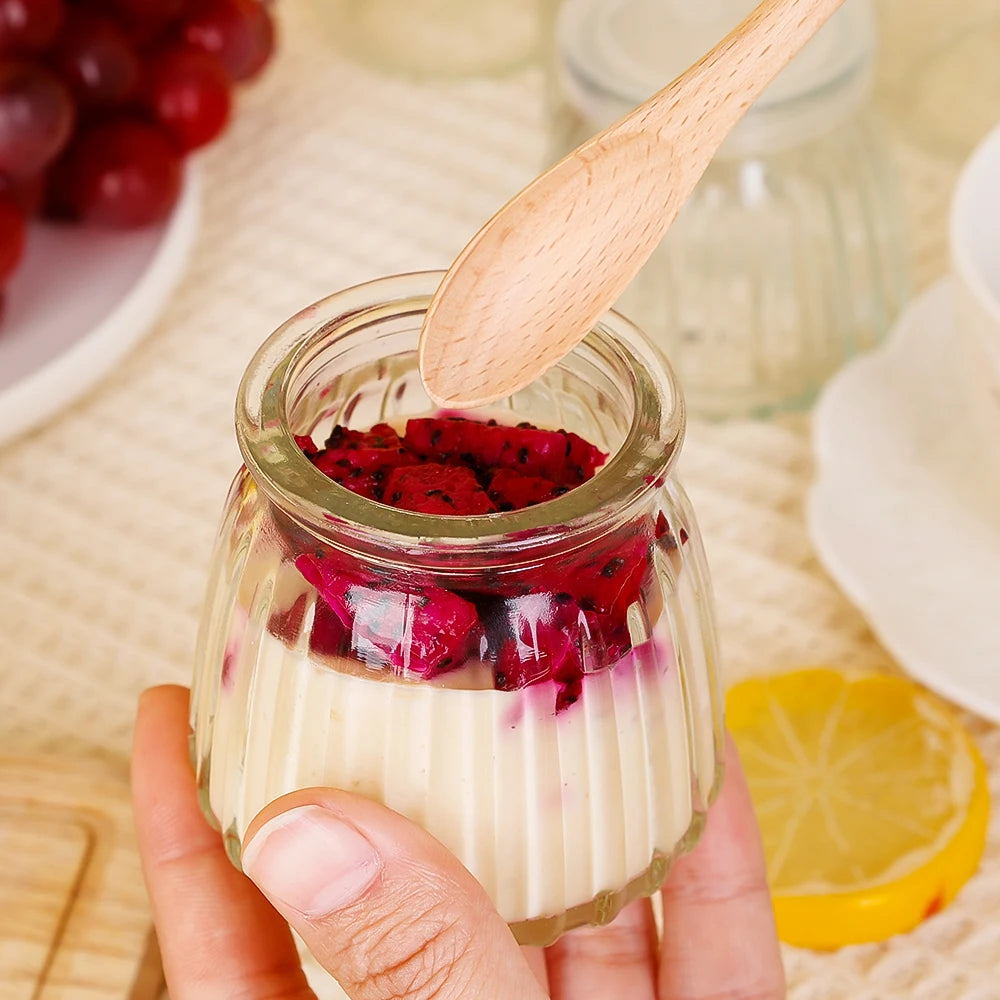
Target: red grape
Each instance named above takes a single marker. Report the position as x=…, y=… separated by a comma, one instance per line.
x=239, y=32
x=36, y=118
x=95, y=59
x=12, y=231
x=28, y=26
x=151, y=11
x=143, y=22
x=121, y=172
x=27, y=193
x=189, y=92
x=148, y=16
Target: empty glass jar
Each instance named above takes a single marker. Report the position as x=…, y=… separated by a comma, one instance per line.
x=788, y=257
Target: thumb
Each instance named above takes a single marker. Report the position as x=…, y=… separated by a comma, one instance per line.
x=381, y=904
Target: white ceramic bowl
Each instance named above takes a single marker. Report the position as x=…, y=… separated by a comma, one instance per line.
x=84, y=296
x=975, y=256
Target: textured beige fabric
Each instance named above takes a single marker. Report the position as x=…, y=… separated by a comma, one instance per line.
x=332, y=174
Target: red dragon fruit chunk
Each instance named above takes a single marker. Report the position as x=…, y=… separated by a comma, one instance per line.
x=509, y=490
x=544, y=642
x=328, y=634
x=562, y=457
x=612, y=579
x=425, y=633
x=424, y=630
x=380, y=436
x=307, y=445
x=436, y=489
x=331, y=580
x=361, y=469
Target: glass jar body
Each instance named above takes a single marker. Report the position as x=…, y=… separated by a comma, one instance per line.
x=543, y=700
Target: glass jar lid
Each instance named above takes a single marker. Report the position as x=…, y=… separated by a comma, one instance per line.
x=614, y=54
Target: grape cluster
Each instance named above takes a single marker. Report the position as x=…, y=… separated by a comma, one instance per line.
x=101, y=99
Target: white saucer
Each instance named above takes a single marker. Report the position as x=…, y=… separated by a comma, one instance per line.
x=82, y=297
x=905, y=512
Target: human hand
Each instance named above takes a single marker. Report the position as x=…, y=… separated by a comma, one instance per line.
x=394, y=916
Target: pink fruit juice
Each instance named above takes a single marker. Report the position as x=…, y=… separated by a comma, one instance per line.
x=499, y=626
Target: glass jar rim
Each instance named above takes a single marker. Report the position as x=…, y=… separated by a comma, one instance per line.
x=288, y=478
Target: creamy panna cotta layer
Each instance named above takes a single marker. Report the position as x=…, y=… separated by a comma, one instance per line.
x=547, y=810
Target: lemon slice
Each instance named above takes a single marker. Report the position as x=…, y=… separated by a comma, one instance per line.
x=871, y=799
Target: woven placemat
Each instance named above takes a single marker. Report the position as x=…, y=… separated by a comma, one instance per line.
x=332, y=174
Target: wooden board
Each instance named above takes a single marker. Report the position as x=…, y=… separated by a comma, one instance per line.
x=74, y=919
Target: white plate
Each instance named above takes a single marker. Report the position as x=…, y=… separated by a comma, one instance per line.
x=81, y=298
x=905, y=512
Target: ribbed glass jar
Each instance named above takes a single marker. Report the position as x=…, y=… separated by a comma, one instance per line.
x=567, y=746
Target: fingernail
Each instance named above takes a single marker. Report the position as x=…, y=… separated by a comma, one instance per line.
x=311, y=861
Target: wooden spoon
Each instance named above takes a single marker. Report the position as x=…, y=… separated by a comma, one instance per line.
x=534, y=280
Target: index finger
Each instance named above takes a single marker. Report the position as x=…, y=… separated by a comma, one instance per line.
x=719, y=938
x=219, y=937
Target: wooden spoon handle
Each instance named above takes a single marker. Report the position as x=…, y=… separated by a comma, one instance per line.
x=716, y=91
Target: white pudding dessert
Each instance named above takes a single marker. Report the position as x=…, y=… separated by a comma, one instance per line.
x=547, y=810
